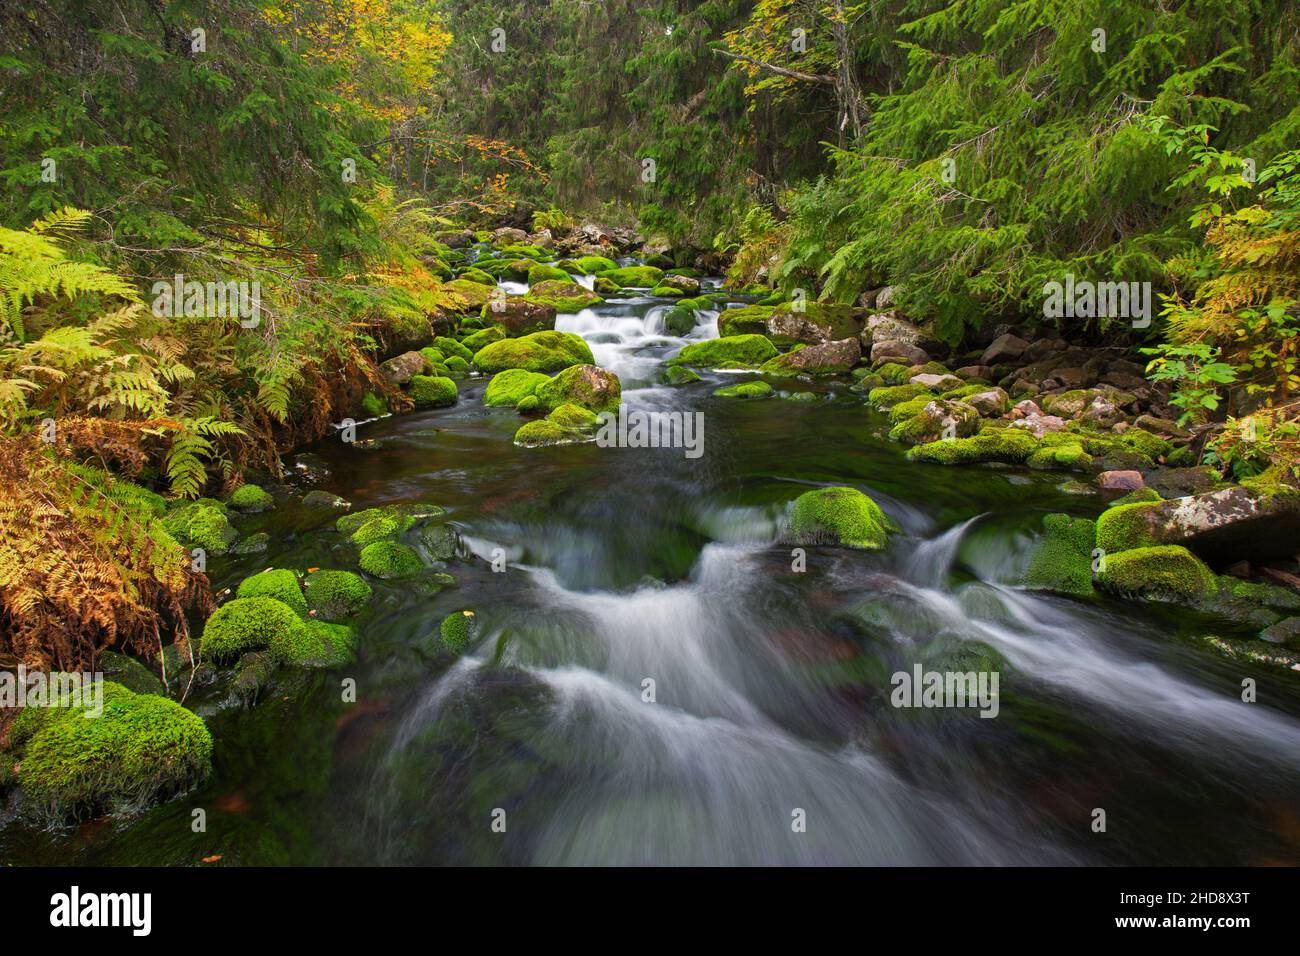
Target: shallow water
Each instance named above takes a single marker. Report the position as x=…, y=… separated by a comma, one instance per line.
x=771, y=685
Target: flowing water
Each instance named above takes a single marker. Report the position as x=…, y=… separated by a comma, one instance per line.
x=640, y=573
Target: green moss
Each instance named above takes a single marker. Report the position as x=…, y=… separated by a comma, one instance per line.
x=547, y=351
x=596, y=264
x=456, y=367
x=478, y=276
x=1126, y=526
x=251, y=498
x=640, y=277
x=279, y=583
x=317, y=644
x=382, y=527
x=894, y=373
x=457, y=630
x=477, y=340
x=1181, y=457
x=891, y=395
x=541, y=432
x=1010, y=445
x=508, y=388
x=433, y=356
x=141, y=749
x=201, y=524
x=1062, y=560
x=604, y=286
x=334, y=595
x=913, y=406
x=733, y=351
x=433, y=391
x=247, y=624
x=541, y=273
x=527, y=405
x=589, y=386
x=574, y=417
x=745, y=390
x=564, y=296
x=373, y=405
x=1137, y=496
x=839, y=516
x=449, y=347
x=679, y=320
x=1166, y=572
x=474, y=294
x=667, y=292
x=1274, y=484
x=677, y=375
x=388, y=559
x=1062, y=456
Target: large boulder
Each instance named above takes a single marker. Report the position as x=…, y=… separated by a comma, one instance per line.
x=588, y=386
x=897, y=351
x=732, y=351
x=1005, y=348
x=839, y=516
x=889, y=327
x=563, y=296
x=519, y=315
x=538, y=352
x=1254, y=520
x=830, y=358
x=402, y=368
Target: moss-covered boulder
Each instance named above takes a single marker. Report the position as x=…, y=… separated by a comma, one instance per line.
x=843, y=516
x=1163, y=572
x=593, y=265
x=277, y=583
x=890, y=395
x=1059, y=455
x=746, y=390
x=733, y=352
x=473, y=295
x=389, y=559
x=373, y=405
x=679, y=375
x=201, y=524
x=508, y=388
x=937, y=420
x=251, y=499
x=544, y=273
x=1124, y=527
x=1062, y=560
x=563, y=296
x=433, y=391
x=141, y=749
x=479, y=277
x=475, y=341
x=1008, y=445
x=248, y=624
x=335, y=595
x=317, y=644
x=635, y=277
x=458, y=630
x=589, y=386
x=538, y=352
x=679, y=320
x=564, y=426
x=519, y=315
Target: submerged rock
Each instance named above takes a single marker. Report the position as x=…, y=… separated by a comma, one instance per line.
x=745, y=390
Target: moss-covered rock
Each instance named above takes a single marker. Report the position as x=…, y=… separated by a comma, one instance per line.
x=745, y=390
x=509, y=388
x=458, y=630
x=251, y=499
x=733, y=351
x=563, y=296
x=433, y=391
x=317, y=644
x=335, y=595
x=843, y=516
x=891, y=395
x=1009, y=445
x=938, y=420
x=679, y=320
x=538, y=352
x=1062, y=561
x=589, y=386
x=593, y=265
x=474, y=295
x=1164, y=572
x=565, y=425
x=543, y=273
x=277, y=583
x=201, y=524
x=666, y=292
x=894, y=373
x=478, y=276
x=389, y=559
x=373, y=405
x=748, y=320
x=1063, y=456
x=679, y=375
x=143, y=748
x=1127, y=526
x=382, y=527
x=635, y=277
x=247, y=624
x=483, y=337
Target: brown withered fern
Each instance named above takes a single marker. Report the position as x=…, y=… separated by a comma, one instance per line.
x=85, y=563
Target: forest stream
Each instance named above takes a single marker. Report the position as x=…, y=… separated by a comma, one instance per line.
x=659, y=680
